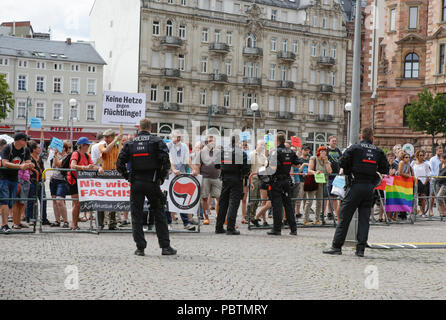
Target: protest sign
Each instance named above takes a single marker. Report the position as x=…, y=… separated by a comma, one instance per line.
x=183, y=193
x=35, y=123
x=339, y=182
x=57, y=144
x=245, y=136
x=296, y=142
x=123, y=108
x=320, y=178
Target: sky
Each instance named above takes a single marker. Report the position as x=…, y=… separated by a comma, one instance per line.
x=66, y=18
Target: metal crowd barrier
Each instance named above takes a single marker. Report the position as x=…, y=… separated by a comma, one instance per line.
x=442, y=215
x=300, y=225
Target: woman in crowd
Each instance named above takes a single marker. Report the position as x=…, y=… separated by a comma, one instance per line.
x=18, y=209
x=404, y=168
x=422, y=171
x=59, y=187
x=318, y=164
x=245, y=149
x=442, y=184
x=393, y=168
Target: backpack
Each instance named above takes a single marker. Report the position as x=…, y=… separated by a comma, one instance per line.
x=66, y=165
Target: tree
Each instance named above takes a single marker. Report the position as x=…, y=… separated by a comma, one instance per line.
x=428, y=114
x=6, y=98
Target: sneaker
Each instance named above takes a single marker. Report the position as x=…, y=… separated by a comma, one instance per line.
x=189, y=227
x=330, y=216
x=299, y=215
x=66, y=225
x=123, y=224
x=206, y=222
x=46, y=223
x=169, y=251
x=6, y=229
x=255, y=222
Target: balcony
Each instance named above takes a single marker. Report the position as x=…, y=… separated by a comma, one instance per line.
x=325, y=88
x=218, y=78
x=171, y=41
x=219, y=47
x=325, y=118
x=286, y=85
x=251, y=81
x=326, y=61
x=253, y=52
x=171, y=73
x=286, y=56
x=284, y=115
x=169, y=106
x=250, y=113
x=215, y=110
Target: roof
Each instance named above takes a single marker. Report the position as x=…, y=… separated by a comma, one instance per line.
x=289, y=4
x=49, y=50
x=17, y=24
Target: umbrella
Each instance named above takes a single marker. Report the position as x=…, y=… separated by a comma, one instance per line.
x=7, y=138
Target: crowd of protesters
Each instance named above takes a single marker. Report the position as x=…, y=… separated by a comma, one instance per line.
x=26, y=158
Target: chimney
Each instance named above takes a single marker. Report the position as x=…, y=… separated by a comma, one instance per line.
x=68, y=41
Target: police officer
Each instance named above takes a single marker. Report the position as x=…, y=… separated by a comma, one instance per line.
x=281, y=160
x=149, y=158
x=234, y=166
x=360, y=162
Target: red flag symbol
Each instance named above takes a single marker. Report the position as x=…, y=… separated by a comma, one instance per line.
x=184, y=190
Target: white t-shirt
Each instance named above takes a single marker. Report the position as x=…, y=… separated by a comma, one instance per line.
x=179, y=153
x=421, y=170
x=95, y=152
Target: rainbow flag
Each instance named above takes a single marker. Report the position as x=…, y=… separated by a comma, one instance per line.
x=399, y=196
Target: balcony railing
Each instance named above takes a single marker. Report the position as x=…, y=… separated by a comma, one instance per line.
x=252, y=81
x=284, y=115
x=171, y=73
x=169, y=106
x=286, y=55
x=325, y=118
x=219, y=78
x=215, y=110
x=287, y=85
x=171, y=41
x=250, y=113
x=325, y=88
x=256, y=52
x=219, y=47
x=326, y=61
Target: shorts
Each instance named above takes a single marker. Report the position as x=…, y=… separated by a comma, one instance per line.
x=423, y=188
x=441, y=194
x=73, y=189
x=8, y=189
x=59, y=188
x=211, y=187
x=24, y=190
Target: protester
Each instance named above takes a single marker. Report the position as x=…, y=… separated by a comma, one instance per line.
x=334, y=154
x=2, y=144
x=318, y=164
x=305, y=159
x=441, y=195
x=59, y=187
x=258, y=160
x=95, y=151
x=19, y=207
x=435, y=164
x=245, y=149
x=125, y=219
x=80, y=160
x=296, y=185
x=422, y=172
x=393, y=168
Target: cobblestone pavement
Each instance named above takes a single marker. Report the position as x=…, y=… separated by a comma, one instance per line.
x=210, y=266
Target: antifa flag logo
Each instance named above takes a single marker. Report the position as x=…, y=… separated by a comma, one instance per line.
x=184, y=191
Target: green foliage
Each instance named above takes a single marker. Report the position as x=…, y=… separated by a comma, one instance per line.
x=6, y=98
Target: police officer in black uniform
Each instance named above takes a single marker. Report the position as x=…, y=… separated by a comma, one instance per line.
x=360, y=162
x=234, y=166
x=150, y=164
x=281, y=160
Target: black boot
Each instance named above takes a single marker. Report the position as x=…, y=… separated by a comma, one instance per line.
x=233, y=233
x=169, y=251
x=255, y=222
x=139, y=252
x=274, y=233
x=333, y=251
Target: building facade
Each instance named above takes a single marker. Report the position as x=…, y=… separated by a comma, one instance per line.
x=21, y=29
x=208, y=61
x=44, y=75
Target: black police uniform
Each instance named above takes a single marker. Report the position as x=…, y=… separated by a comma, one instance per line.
x=283, y=159
x=360, y=163
x=234, y=166
x=149, y=158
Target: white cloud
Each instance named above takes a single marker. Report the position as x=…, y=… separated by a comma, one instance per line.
x=67, y=19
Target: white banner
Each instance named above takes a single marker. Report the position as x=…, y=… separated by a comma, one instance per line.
x=183, y=193
x=123, y=108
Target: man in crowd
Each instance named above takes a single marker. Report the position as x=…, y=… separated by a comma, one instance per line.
x=435, y=163
x=334, y=154
x=258, y=159
x=305, y=160
x=15, y=156
x=95, y=152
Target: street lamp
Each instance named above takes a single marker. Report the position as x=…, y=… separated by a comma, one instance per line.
x=73, y=103
x=254, y=108
x=348, y=108
x=28, y=105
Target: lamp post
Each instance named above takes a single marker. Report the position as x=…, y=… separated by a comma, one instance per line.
x=348, y=108
x=254, y=108
x=356, y=83
x=28, y=105
x=73, y=103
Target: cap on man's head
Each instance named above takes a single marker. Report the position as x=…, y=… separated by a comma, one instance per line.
x=83, y=140
x=109, y=133
x=306, y=147
x=21, y=136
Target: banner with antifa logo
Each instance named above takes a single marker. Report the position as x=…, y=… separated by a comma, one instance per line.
x=183, y=193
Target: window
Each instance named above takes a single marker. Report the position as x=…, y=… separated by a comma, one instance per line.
x=182, y=32
x=272, y=72
x=271, y=104
x=180, y=94
x=58, y=66
x=293, y=105
x=273, y=15
x=74, y=113
x=237, y=8
x=204, y=65
x=411, y=66
x=315, y=21
x=273, y=44
x=183, y=2
x=251, y=41
x=324, y=22
x=227, y=99
x=322, y=107
x=21, y=110
x=413, y=17
x=203, y=97
x=333, y=52
x=153, y=93
x=324, y=49
x=251, y=70
x=167, y=94
x=392, y=19
x=313, y=49
x=40, y=84
x=91, y=112
x=442, y=46
x=219, y=5
x=182, y=62
x=332, y=79
x=3, y=62
x=23, y=64
x=22, y=83
x=75, y=68
x=217, y=35
x=295, y=47
x=57, y=85
x=335, y=23
x=283, y=73
x=91, y=86
x=170, y=1
x=331, y=105
x=248, y=100
x=204, y=35
x=284, y=45
x=156, y=28
x=229, y=68
x=75, y=86
x=40, y=65
x=229, y=38
x=169, y=27
x=91, y=69
x=443, y=16
x=40, y=110
x=57, y=111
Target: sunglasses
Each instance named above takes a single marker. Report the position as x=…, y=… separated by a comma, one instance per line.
x=406, y=157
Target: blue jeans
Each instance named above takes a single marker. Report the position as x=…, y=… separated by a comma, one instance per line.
x=33, y=190
x=8, y=189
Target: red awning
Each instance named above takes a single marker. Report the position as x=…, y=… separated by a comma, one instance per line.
x=35, y=135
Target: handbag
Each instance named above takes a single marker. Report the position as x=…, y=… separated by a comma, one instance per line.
x=310, y=183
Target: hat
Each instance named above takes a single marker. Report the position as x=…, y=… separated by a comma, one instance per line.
x=306, y=147
x=109, y=132
x=21, y=136
x=83, y=140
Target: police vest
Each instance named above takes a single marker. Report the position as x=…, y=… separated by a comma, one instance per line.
x=284, y=161
x=365, y=160
x=231, y=161
x=144, y=155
